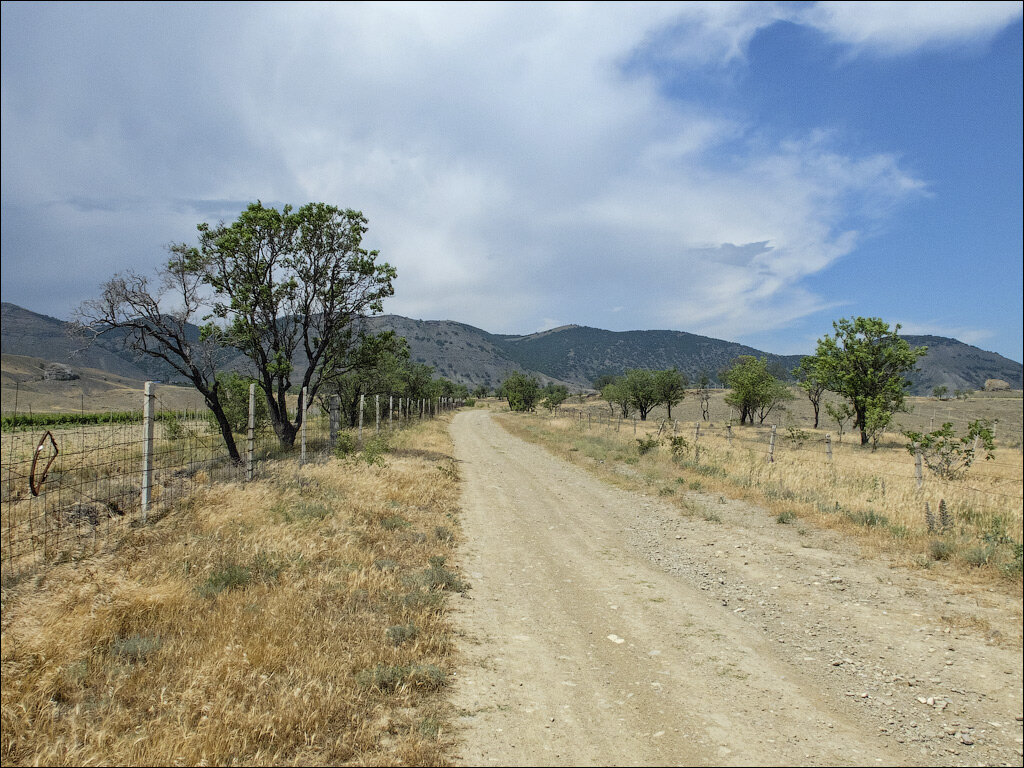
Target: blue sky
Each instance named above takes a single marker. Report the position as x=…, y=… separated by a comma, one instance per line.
x=745, y=171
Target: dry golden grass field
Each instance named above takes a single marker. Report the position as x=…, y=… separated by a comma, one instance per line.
x=872, y=495
x=297, y=619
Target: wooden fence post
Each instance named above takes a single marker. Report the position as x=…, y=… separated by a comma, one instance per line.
x=362, y=405
x=918, y=474
x=828, y=446
x=728, y=433
x=148, y=427
x=771, y=445
x=376, y=411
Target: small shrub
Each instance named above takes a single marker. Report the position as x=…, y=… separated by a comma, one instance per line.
x=344, y=445
x=645, y=445
x=374, y=450
x=695, y=485
x=979, y=556
x=385, y=564
x=443, y=533
x=666, y=491
x=135, y=647
x=394, y=522
x=401, y=633
x=231, y=576
x=868, y=518
x=678, y=446
x=940, y=550
x=785, y=516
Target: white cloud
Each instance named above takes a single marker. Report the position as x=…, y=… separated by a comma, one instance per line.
x=892, y=28
x=510, y=167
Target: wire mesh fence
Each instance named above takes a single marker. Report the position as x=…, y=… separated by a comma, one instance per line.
x=66, y=490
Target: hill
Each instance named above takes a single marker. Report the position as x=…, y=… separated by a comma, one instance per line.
x=572, y=354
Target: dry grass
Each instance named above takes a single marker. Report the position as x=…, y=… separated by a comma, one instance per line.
x=870, y=495
x=299, y=619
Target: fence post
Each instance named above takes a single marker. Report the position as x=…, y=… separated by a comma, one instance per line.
x=148, y=424
x=335, y=419
x=376, y=411
x=634, y=424
x=391, y=412
x=917, y=467
x=250, y=434
x=303, y=405
x=828, y=446
x=771, y=445
x=362, y=404
x=696, y=443
x=728, y=433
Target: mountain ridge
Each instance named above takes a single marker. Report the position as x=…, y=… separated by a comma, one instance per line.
x=571, y=354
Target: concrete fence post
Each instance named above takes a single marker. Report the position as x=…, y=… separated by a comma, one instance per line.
x=335, y=419
x=304, y=406
x=250, y=435
x=148, y=429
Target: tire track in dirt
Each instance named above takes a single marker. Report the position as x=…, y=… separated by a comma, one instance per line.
x=581, y=650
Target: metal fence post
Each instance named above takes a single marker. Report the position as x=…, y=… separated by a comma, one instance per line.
x=148, y=425
x=250, y=441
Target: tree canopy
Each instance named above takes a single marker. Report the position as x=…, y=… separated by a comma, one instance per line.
x=282, y=287
x=866, y=362
x=754, y=391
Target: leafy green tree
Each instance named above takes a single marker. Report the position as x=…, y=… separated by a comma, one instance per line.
x=615, y=393
x=670, y=387
x=288, y=285
x=807, y=379
x=554, y=395
x=603, y=381
x=377, y=365
x=840, y=414
x=866, y=363
x=521, y=391
x=940, y=392
x=753, y=390
x=949, y=455
x=234, y=398
x=480, y=391
x=642, y=390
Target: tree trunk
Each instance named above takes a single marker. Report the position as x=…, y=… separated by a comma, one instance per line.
x=225, y=428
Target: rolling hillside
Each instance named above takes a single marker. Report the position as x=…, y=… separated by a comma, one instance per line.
x=571, y=354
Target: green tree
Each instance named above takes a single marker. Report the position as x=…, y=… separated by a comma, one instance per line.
x=378, y=364
x=642, y=390
x=289, y=285
x=866, y=363
x=807, y=379
x=615, y=393
x=521, y=391
x=940, y=392
x=670, y=387
x=753, y=390
x=234, y=398
x=554, y=395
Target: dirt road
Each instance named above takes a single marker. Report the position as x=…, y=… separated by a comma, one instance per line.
x=606, y=627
